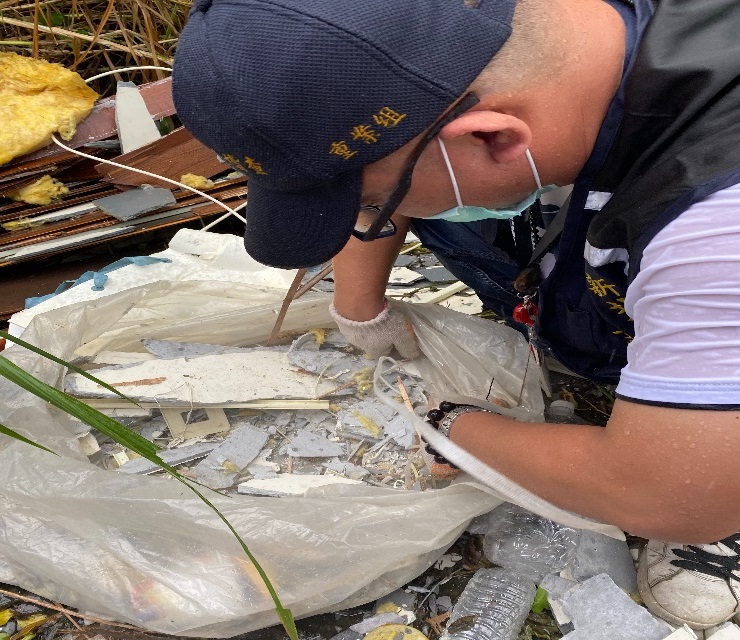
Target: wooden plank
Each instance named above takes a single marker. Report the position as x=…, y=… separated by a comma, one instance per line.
x=171, y=156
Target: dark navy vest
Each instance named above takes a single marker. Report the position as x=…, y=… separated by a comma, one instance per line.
x=670, y=139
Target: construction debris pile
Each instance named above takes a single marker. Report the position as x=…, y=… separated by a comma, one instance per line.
x=268, y=421
x=54, y=202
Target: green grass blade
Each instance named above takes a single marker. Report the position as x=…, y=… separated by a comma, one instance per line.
x=49, y=356
x=14, y=434
x=80, y=410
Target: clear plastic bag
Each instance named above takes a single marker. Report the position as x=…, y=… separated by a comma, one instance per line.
x=142, y=549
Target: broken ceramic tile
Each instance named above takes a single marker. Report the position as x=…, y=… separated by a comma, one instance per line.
x=436, y=274
x=401, y=429
x=135, y=202
x=347, y=469
x=600, y=610
x=404, y=261
x=330, y=363
x=370, y=415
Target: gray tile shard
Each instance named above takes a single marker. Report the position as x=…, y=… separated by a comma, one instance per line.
x=598, y=554
x=402, y=599
x=173, y=457
x=224, y=464
x=135, y=202
x=369, y=409
x=327, y=362
x=404, y=261
x=401, y=429
x=600, y=610
x=368, y=624
x=437, y=274
x=214, y=477
x=240, y=448
x=306, y=444
x=347, y=469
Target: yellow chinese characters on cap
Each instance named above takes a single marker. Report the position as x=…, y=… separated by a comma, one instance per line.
x=367, y=133
x=246, y=165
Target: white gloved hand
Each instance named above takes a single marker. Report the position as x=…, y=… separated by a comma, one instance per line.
x=378, y=336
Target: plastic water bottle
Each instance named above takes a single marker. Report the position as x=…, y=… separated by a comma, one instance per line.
x=497, y=602
x=527, y=544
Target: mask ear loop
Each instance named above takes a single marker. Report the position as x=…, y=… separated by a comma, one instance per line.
x=534, y=169
x=450, y=171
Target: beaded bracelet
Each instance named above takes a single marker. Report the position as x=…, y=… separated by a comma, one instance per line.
x=443, y=419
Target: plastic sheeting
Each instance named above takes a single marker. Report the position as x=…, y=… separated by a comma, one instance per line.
x=142, y=549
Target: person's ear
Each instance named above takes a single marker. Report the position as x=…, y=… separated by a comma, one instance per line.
x=505, y=137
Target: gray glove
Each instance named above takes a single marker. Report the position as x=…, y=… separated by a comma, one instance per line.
x=378, y=336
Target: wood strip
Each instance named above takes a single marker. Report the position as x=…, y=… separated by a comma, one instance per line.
x=171, y=156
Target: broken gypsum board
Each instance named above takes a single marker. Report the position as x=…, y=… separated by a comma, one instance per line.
x=262, y=405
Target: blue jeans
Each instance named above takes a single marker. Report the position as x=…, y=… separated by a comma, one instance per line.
x=467, y=250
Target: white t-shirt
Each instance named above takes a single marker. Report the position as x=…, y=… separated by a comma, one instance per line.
x=685, y=303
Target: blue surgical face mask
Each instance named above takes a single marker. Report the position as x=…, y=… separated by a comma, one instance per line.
x=463, y=213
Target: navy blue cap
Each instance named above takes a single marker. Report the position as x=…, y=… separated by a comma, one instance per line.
x=302, y=94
